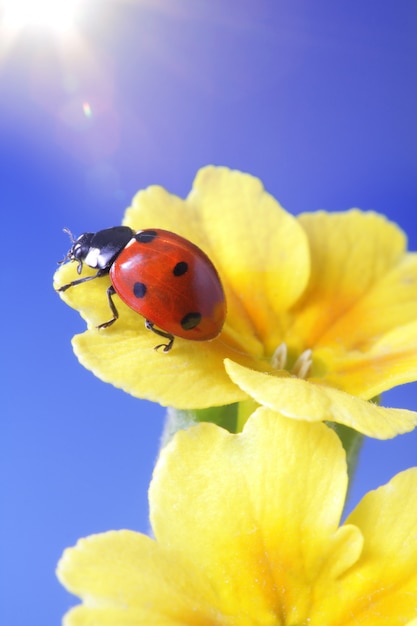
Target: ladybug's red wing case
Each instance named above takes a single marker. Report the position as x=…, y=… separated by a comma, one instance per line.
x=172, y=283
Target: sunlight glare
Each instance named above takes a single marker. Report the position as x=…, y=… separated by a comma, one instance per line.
x=54, y=15
x=87, y=110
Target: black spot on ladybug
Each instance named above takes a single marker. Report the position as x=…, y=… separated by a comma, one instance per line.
x=146, y=236
x=139, y=289
x=180, y=268
x=191, y=320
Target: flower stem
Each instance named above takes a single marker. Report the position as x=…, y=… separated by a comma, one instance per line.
x=352, y=442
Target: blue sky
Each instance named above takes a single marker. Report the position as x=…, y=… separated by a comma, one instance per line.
x=317, y=99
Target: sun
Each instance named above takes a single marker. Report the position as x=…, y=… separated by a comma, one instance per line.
x=57, y=16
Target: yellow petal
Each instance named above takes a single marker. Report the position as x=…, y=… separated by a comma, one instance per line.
x=390, y=303
x=259, y=512
x=259, y=249
x=155, y=207
x=391, y=361
x=350, y=252
x=304, y=400
x=188, y=377
x=382, y=584
x=126, y=577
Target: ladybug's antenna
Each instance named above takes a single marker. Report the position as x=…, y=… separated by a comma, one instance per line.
x=68, y=255
x=69, y=233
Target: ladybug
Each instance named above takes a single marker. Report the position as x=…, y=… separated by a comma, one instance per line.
x=160, y=275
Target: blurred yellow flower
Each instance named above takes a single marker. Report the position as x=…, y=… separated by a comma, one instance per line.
x=247, y=531
x=328, y=298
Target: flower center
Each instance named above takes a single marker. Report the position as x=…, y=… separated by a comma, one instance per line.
x=302, y=365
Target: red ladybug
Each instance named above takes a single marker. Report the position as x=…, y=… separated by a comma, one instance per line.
x=162, y=276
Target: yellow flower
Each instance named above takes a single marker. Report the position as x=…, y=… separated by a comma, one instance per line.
x=247, y=531
x=326, y=298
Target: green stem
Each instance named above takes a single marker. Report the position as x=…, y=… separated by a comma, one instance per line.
x=232, y=417
x=352, y=442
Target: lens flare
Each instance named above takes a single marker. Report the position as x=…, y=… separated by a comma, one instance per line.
x=54, y=15
x=87, y=110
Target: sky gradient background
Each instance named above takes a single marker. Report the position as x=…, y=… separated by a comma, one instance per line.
x=318, y=99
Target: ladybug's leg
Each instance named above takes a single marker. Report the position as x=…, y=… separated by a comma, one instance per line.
x=82, y=280
x=110, y=293
x=166, y=347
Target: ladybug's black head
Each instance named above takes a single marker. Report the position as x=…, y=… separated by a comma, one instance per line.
x=98, y=250
x=79, y=249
